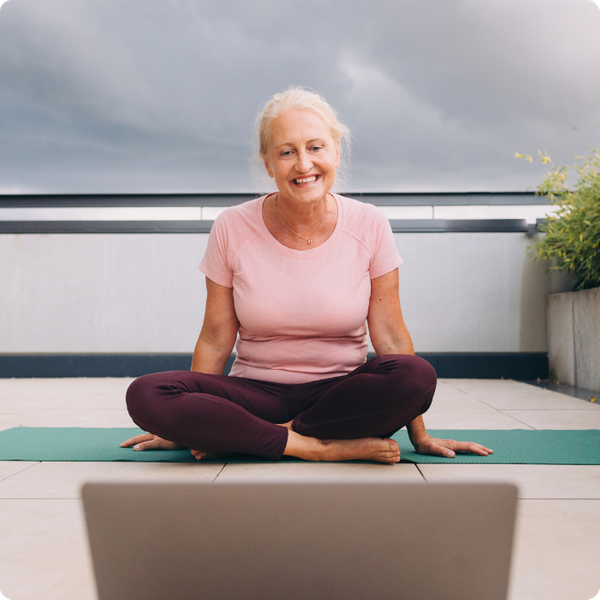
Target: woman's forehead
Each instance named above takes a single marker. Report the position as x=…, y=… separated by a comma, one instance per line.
x=298, y=125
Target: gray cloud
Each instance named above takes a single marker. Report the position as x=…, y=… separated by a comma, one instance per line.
x=160, y=95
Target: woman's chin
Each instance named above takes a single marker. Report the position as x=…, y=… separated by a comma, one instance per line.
x=306, y=192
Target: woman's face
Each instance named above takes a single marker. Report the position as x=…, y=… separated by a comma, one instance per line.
x=302, y=156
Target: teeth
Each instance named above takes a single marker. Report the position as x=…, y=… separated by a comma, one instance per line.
x=306, y=179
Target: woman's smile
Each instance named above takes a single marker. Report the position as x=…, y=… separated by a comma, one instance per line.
x=306, y=180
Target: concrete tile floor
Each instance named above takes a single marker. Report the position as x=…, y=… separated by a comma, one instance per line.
x=43, y=546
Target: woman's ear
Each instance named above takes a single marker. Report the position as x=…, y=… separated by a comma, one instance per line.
x=337, y=154
x=268, y=168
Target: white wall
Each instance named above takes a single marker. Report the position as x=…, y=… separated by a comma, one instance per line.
x=460, y=292
x=472, y=292
x=100, y=293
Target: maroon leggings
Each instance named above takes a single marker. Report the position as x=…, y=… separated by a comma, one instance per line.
x=218, y=413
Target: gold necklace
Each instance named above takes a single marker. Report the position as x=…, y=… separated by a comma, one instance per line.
x=309, y=240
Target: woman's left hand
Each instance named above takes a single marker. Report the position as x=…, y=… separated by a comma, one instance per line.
x=430, y=445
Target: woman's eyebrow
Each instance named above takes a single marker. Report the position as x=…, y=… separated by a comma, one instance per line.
x=291, y=144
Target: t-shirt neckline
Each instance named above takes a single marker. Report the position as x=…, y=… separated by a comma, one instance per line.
x=290, y=251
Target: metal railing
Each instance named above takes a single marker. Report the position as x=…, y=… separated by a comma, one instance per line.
x=212, y=204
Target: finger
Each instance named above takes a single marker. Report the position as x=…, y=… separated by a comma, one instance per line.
x=143, y=437
x=447, y=452
x=469, y=447
x=442, y=450
x=153, y=444
x=479, y=449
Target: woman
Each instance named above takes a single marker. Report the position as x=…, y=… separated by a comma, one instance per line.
x=296, y=277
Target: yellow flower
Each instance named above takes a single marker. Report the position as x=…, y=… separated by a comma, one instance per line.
x=525, y=156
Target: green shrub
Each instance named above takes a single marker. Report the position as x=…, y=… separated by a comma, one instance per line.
x=572, y=237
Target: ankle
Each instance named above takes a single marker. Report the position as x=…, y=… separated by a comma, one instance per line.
x=300, y=446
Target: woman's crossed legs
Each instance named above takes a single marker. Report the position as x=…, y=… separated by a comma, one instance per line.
x=344, y=418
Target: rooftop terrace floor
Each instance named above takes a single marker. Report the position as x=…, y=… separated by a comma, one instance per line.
x=43, y=544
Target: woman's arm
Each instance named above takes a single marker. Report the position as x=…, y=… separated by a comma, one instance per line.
x=387, y=329
x=389, y=335
x=219, y=330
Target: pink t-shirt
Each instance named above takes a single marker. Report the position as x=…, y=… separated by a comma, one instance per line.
x=302, y=314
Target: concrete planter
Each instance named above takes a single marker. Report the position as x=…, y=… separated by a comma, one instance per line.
x=574, y=338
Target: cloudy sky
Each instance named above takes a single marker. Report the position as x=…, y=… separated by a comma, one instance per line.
x=161, y=95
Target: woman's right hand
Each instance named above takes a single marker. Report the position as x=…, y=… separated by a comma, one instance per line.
x=149, y=441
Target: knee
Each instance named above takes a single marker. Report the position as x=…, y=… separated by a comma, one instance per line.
x=135, y=395
x=406, y=367
x=423, y=382
x=414, y=376
x=143, y=393
x=422, y=373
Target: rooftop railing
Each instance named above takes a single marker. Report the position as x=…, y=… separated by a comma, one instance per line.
x=194, y=213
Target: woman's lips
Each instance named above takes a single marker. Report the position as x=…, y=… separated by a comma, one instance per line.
x=305, y=180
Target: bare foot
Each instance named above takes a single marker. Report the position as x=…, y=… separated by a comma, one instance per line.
x=201, y=455
x=371, y=448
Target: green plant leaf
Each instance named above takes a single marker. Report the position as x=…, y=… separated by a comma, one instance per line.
x=571, y=236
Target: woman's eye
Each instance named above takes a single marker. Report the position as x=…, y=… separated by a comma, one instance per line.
x=286, y=153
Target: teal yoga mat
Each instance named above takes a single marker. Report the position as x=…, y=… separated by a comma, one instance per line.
x=514, y=446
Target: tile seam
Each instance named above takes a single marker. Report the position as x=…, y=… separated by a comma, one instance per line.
x=21, y=471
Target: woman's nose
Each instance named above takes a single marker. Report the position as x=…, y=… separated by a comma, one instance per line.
x=303, y=163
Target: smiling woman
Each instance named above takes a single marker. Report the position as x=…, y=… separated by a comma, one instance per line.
x=293, y=279
x=302, y=159
x=298, y=99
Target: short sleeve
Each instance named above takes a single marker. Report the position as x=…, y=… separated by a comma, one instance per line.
x=385, y=255
x=215, y=264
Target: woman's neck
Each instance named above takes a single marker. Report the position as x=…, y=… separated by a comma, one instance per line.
x=300, y=226
x=301, y=216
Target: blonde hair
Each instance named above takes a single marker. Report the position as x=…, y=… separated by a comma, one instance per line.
x=300, y=98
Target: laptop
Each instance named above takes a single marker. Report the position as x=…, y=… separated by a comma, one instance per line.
x=317, y=541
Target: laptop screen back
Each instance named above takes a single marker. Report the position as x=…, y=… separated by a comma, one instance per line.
x=297, y=541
